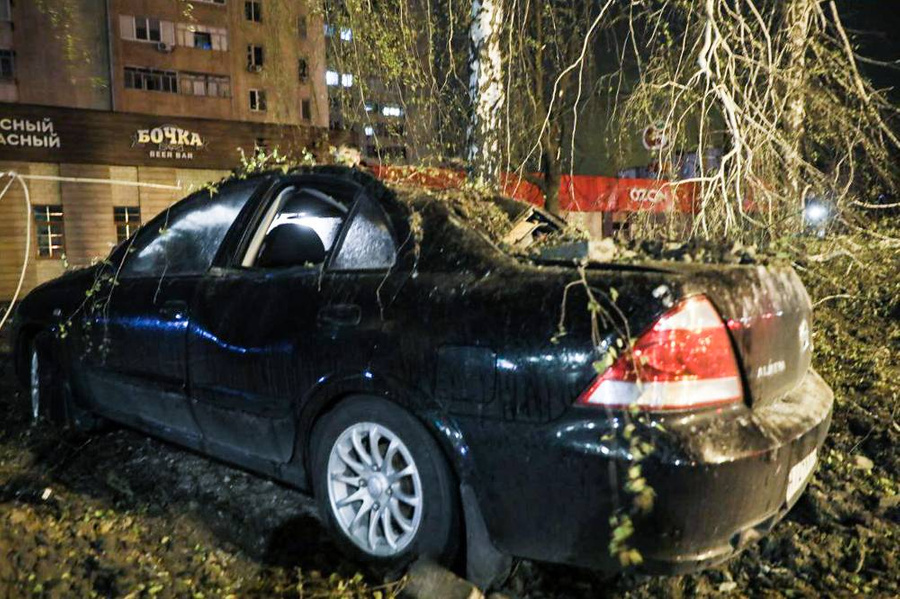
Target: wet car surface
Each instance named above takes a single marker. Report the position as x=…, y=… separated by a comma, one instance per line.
x=376, y=351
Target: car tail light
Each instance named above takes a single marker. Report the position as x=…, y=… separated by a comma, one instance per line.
x=685, y=360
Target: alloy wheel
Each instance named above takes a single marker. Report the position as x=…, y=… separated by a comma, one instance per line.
x=375, y=489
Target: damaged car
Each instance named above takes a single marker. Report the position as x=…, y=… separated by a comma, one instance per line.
x=441, y=374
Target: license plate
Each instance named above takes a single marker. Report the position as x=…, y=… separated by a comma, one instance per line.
x=799, y=474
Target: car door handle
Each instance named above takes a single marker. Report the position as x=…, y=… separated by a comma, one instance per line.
x=341, y=315
x=174, y=310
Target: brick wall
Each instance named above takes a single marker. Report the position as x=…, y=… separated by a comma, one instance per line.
x=88, y=213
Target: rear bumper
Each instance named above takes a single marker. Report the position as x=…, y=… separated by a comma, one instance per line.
x=720, y=479
x=708, y=510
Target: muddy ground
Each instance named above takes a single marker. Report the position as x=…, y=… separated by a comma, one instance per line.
x=118, y=514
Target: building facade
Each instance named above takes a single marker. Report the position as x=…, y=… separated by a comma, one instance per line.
x=159, y=92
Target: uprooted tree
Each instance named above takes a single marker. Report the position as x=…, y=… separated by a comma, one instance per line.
x=774, y=87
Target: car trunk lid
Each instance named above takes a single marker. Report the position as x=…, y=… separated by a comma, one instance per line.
x=768, y=313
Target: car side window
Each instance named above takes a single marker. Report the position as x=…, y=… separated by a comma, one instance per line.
x=303, y=230
x=184, y=239
x=368, y=243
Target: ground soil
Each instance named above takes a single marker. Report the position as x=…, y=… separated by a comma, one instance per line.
x=118, y=514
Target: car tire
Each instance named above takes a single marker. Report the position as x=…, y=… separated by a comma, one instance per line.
x=50, y=398
x=411, y=494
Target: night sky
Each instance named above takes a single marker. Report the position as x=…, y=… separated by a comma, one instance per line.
x=874, y=25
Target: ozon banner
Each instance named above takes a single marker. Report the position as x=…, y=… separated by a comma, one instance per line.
x=577, y=193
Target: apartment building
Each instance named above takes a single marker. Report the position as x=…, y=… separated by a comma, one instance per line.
x=144, y=91
x=376, y=120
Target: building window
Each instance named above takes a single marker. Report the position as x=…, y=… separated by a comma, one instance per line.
x=254, y=57
x=127, y=219
x=303, y=70
x=51, y=234
x=201, y=36
x=151, y=80
x=253, y=10
x=202, y=40
x=302, y=30
x=7, y=64
x=333, y=78
x=5, y=12
x=219, y=2
x=391, y=110
x=258, y=100
x=346, y=33
x=306, y=110
x=147, y=29
x=201, y=84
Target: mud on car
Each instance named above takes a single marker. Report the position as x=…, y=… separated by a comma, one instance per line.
x=377, y=348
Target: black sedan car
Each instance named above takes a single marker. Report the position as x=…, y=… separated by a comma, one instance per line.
x=442, y=394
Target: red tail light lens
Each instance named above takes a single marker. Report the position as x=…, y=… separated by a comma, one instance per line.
x=685, y=360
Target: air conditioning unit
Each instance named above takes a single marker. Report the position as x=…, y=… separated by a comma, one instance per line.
x=254, y=68
x=164, y=47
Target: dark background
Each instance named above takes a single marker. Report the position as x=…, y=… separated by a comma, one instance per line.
x=874, y=28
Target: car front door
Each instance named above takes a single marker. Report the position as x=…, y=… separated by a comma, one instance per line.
x=137, y=353
x=297, y=306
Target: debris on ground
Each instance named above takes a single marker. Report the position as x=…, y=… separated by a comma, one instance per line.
x=122, y=515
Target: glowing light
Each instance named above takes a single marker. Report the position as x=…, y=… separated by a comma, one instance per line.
x=815, y=212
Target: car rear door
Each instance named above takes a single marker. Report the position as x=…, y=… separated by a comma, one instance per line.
x=279, y=320
x=136, y=356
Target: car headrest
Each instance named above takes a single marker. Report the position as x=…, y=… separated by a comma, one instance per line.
x=291, y=244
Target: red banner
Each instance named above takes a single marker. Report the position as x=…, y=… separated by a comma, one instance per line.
x=577, y=193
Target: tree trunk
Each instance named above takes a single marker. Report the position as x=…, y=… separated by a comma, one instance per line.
x=485, y=91
x=797, y=22
x=552, y=175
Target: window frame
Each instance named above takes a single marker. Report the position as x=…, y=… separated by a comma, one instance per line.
x=253, y=11
x=362, y=198
x=127, y=223
x=120, y=255
x=145, y=74
x=8, y=56
x=198, y=35
x=50, y=210
x=328, y=185
x=303, y=69
x=146, y=22
x=306, y=110
x=258, y=93
x=222, y=82
x=256, y=57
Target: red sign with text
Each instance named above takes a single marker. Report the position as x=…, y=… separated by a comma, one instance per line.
x=577, y=193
